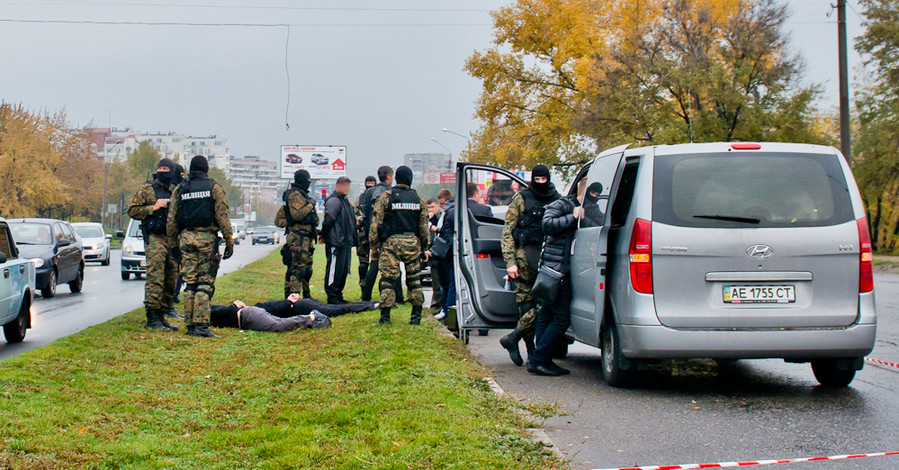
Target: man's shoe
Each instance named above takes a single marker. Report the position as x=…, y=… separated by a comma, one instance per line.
x=170, y=312
x=202, y=330
x=440, y=316
x=559, y=369
x=510, y=343
x=540, y=369
x=372, y=305
x=385, y=317
x=415, y=318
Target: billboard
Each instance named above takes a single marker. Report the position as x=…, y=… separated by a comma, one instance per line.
x=322, y=162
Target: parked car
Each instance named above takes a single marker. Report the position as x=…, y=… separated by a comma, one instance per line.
x=722, y=250
x=293, y=158
x=16, y=287
x=319, y=159
x=55, y=250
x=265, y=235
x=134, y=258
x=94, y=241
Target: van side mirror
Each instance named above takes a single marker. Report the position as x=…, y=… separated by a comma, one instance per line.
x=120, y=233
x=2, y=257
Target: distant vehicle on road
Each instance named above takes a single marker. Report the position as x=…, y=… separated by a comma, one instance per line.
x=319, y=159
x=293, y=158
x=722, y=250
x=134, y=258
x=16, y=287
x=265, y=235
x=55, y=250
x=94, y=241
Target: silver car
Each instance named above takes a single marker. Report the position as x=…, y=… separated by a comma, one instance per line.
x=94, y=241
x=722, y=250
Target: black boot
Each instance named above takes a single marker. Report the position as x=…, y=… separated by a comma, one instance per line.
x=385, y=317
x=529, y=344
x=415, y=319
x=510, y=343
x=190, y=330
x=153, y=323
x=170, y=312
x=161, y=315
x=202, y=329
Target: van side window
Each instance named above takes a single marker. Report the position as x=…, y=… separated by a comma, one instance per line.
x=625, y=195
x=597, y=189
x=5, y=245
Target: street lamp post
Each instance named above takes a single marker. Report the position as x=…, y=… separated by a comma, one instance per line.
x=462, y=136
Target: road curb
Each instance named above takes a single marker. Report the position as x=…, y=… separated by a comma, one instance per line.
x=538, y=435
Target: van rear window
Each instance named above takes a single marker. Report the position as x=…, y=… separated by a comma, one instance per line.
x=750, y=190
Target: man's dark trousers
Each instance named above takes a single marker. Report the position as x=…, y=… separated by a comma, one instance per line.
x=552, y=323
x=336, y=271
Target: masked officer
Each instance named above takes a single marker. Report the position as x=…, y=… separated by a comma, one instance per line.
x=364, y=249
x=368, y=198
x=150, y=206
x=298, y=216
x=400, y=224
x=198, y=211
x=521, y=241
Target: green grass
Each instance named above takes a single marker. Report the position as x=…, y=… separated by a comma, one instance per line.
x=116, y=396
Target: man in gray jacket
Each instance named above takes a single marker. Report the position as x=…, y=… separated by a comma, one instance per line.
x=340, y=236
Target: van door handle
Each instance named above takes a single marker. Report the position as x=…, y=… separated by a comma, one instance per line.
x=6, y=274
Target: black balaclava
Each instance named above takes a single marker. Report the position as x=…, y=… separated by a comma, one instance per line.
x=403, y=175
x=165, y=177
x=596, y=188
x=178, y=177
x=370, y=179
x=302, y=179
x=199, y=164
x=541, y=190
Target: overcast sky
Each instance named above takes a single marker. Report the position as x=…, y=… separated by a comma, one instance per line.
x=357, y=78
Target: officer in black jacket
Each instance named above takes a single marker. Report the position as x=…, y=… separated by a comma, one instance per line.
x=340, y=236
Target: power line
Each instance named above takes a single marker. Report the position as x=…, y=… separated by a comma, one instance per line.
x=255, y=7
x=249, y=25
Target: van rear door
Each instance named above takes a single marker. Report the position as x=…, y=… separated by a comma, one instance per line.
x=749, y=239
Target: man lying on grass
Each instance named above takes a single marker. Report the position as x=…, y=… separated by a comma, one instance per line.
x=283, y=315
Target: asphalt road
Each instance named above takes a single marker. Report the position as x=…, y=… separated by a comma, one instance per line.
x=698, y=413
x=105, y=296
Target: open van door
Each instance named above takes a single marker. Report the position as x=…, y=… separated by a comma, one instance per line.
x=482, y=302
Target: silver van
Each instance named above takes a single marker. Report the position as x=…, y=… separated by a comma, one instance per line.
x=721, y=250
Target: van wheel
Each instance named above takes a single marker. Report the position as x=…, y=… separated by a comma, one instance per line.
x=75, y=285
x=14, y=331
x=126, y=276
x=833, y=372
x=50, y=290
x=612, y=371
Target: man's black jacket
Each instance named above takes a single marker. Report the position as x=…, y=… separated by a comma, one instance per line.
x=339, y=225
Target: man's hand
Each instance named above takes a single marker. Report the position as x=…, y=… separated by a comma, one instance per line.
x=160, y=203
x=293, y=298
x=426, y=255
x=321, y=240
x=578, y=212
x=512, y=272
x=240, y=304
x=229, y=251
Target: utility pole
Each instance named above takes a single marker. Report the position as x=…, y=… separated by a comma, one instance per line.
x=845, y=135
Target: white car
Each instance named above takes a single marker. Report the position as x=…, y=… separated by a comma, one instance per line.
x=134, y=259
x=94, y=241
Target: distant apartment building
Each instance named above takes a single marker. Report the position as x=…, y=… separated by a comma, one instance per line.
x=117, y=144
x=258, y=178
x=427, y=163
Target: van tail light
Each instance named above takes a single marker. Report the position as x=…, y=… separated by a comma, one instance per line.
x=641, y=257
x=866, y=258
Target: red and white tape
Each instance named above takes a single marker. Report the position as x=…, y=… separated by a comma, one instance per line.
x=751, y=463
x=883, y=363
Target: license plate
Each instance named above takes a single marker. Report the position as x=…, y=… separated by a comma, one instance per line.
x=143, y=263
x=759, y=294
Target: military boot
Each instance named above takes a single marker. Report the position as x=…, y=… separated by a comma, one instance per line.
x=153, y=323
x=161, y=315
x=529, y=344
x=170, y=312
x=415, y=319
x=385, y=317
x=510, y=344
x=202, y=329
x=190, y=329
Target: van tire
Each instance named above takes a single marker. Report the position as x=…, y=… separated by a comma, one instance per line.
x=14, y=331
x=833, y=372
x=612, y=371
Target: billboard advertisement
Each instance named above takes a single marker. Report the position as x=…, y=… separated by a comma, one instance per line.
x=322, y=162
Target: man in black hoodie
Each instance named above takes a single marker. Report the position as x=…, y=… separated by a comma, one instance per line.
x=521, y=241
x=340, y=236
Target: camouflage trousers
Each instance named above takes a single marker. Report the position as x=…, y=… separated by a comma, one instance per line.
x=362, y=252
x=199, y=266
x=162, y=273
x=527, y=304
x=297, y=255
x=395, y=250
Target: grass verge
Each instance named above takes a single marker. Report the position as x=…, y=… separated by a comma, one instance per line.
x=116, y=396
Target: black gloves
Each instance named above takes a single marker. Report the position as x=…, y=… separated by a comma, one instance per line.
x=229, y=251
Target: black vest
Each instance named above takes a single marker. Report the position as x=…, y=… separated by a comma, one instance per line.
x=529, y=230
x=155, y=224
x=403, y=212
x=310, y=219
x=196, y=205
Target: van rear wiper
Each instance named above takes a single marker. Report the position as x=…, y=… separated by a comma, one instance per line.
x=731, y=218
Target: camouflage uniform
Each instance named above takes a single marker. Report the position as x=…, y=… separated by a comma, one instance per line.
x=514, y=255
x=199, y=254
x=405, y=248
x=162, y=272
x=300, y=241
